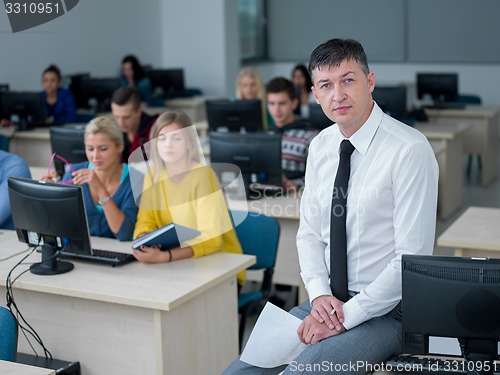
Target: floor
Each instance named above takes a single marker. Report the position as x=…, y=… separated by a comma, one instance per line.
x=474, y=194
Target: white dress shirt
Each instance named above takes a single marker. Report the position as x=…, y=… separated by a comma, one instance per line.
x=391, y=210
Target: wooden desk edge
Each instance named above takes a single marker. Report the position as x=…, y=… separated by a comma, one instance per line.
x=249, y=260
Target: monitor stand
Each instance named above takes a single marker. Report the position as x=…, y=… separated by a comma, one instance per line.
x=50, y=265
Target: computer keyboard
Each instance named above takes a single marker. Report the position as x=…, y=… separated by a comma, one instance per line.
x=108, y=257
x=409, y=364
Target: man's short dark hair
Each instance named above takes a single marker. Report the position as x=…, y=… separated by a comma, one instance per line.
x=127, y=95
x=334, y=51
x=281, y=84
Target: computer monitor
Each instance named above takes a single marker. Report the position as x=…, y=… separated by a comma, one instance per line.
x=234, y=115
x=52, y=214
x=317, y=117
x=68, y=141
x=441, y=87
x=168, y=81
x=257, y=155
x=24, y=108
x=75, y=86
x=97, y=92
x=447, y=298
x=392, y=100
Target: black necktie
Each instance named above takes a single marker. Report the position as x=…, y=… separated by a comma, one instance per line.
x=338, y=238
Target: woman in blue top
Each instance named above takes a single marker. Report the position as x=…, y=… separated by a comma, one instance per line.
x=59, y=103
x=109, y=201
x=133, y=75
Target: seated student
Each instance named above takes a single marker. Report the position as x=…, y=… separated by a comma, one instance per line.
x=295, y=135
x=128, y=112
x=249, y=86
x=182, y=190
x=133, y=75
x=303, y=83
x=59, y=102
x=109, y=201
x=11, y=165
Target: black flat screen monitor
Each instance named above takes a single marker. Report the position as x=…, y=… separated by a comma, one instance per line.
x=97, y=92
x=68, y=141
x=75, y=86
x=441, y=87
x=451, y=298
x=234, y=115
x=317, y=117
x=23, y=107
x=53, y=214
x=392, y=100
x=257, y=155
x=168, y=82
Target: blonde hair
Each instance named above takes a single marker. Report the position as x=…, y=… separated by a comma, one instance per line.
x=251, y=72
x=189, y=131
x=106, y=126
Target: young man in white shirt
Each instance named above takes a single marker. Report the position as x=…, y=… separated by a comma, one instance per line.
x=391, y=210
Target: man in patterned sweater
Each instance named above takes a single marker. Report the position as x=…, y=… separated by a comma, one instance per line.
x=296, y=135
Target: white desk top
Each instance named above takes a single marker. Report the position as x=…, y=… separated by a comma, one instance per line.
x=468, y=111
x=441, y=131
x=438, y=146
x=477, y=228
x=7, y=131
x=156, y=286
x=13, y=368
x=280, y=207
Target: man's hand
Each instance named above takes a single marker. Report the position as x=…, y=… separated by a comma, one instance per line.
x=311, y=331
x=328, y=309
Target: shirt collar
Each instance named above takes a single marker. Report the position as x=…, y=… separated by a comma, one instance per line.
x=363, y=137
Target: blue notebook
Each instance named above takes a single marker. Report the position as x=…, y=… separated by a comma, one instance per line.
x=168, y=236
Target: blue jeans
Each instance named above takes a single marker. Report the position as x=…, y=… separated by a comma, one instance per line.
x=355, y=351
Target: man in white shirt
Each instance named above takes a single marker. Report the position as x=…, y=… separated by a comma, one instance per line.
x=391, y=210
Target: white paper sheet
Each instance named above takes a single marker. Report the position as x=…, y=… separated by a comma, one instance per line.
x=273, y=341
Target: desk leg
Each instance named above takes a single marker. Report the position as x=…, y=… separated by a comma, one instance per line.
x=489, y=156
x=450, y=178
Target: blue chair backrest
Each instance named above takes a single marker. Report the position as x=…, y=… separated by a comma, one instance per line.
x=8, y=335
x=4, y=143
x=258, y=235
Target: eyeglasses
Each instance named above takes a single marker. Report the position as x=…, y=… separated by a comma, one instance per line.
x=49, y=168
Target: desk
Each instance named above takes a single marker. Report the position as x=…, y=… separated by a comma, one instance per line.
x=175, y=318
x=12, y=368
x=450, y=163
x=482, y=136
x=474, y=233
x=193, y=107
x=32, y=145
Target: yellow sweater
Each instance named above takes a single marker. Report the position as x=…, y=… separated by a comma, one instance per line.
x=196, y=202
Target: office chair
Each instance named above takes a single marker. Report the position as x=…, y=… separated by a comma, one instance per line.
x=8, y=335
x=476, y=100
x=258, y=235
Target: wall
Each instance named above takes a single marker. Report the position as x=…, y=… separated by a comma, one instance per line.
x=96, y=34
x=93, y=37
x=479, y=79
x=205, y=42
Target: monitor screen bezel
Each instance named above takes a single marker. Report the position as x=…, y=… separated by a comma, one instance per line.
x=235, y=115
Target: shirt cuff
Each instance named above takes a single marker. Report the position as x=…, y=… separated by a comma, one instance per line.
x=353, y=314
x=316, y=288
